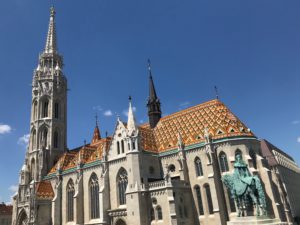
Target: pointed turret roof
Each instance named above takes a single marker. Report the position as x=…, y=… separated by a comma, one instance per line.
x=131, y=124
x=51, y=46
x=152, y=92
x=96, y=135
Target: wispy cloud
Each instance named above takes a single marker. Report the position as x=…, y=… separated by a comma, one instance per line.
x=184, y=105
x=125, y=111
x=108, y=113
x=298, y=139
x=13, y=188
x=295, y=122
x=98, y=108
x=24, y=140
x=5, y=129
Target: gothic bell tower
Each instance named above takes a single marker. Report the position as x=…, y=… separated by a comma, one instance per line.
x=48, y=124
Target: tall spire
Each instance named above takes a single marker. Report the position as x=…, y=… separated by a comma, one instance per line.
x=51, y=37
x=96, y=135
x=153, y=104
x=131, y=124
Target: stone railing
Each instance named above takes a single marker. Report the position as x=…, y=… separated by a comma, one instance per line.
x=156, y=184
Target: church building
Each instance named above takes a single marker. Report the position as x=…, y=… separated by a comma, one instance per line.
x=164, y=172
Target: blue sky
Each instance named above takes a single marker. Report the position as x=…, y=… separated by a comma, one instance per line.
x=249, y=49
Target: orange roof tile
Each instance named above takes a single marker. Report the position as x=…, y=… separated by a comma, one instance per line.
x=6, y=209
x=44, y=190
x=191, y=123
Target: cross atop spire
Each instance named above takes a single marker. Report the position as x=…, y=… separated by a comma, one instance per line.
x=51, y=36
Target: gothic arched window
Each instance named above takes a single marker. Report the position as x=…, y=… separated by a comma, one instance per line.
x=253, y=157
x=122, y=181
x=199, y=199
x=32, y=169
x=55, y=139
x=44, y=136
x=223, y=162
x=122, y=145
x=94, y=197
x=198, y=167
x=208, y=199
x=152, y=215
x=70, y=201
x=33, y=139
x=118, y=147
x=34, y=115
x=159, y=213
x=45, y=108
x=56, y=110
x=238, y=152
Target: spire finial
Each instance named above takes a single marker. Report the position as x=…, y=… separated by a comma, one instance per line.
x=149, y=66
x=96, y=117
x=51, y=36
x=131, y=125
x=216, y=92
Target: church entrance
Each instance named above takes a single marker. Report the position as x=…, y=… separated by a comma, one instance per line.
x=120, y=222
x=23, y=220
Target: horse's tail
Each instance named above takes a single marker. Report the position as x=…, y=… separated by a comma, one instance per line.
x=261, y=193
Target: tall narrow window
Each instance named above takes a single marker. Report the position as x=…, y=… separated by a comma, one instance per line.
x=159, y=213
x=45, y=108
x=253, y=157
x=33, y=139
x=34, y=115
x=32, y=169
x=238, y=152
x=231, y=201
x=122, y=185
x=208, y=199
x=118, y=147
x=44, y=137
x=198, y=167
x=133, y=145
x=122, y=145
x=56, y=110
x=199, y=200
x=70, y=201
x=94, y=197
x=55, y=139
x=152, y=216
x=223, y=162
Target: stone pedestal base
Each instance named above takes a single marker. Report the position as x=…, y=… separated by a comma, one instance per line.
x=253, y=220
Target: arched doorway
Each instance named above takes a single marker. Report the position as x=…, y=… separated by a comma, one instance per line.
x=120, y=222
x=23, y=220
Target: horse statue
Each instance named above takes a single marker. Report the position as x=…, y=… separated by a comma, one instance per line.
x=243, y=186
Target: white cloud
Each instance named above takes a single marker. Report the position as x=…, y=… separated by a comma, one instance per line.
x=24, y=139
x=5, y=129
x=108, y=113
x=125, y=111
x=13, y=188
x=298, y=139
x=296, y=122
x=184, y=105
x=97, y=107
x=141, y=121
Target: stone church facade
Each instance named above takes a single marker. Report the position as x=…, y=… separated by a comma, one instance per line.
x=167, y=171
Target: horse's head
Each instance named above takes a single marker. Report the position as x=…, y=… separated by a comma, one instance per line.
x=227, y=180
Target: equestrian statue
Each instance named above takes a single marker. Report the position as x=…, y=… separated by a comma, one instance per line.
x=245, y=188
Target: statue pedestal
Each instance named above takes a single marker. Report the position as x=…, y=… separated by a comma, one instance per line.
x=253, y=220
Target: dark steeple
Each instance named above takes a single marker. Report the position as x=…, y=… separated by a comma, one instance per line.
x=153, y=104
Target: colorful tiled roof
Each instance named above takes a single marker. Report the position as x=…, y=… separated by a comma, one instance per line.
x=6, y=209
x=85, y=154
x=191, y=123
x=44, y=190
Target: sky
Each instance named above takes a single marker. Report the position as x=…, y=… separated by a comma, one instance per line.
x=249, y=49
